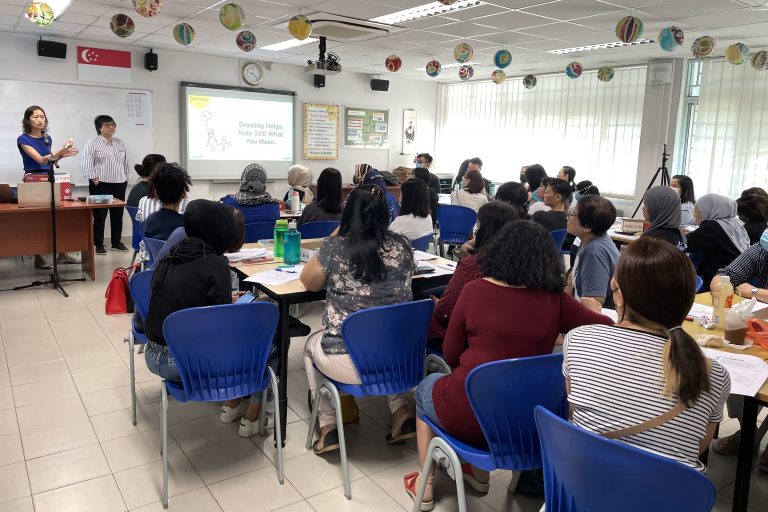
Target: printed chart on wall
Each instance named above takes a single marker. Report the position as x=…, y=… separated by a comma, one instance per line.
x=366, y=127
x=321, y=132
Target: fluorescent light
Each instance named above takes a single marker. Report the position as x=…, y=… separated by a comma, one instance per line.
x=291, y=43
x=423, y=11
x=58, y=6
x=602, y=46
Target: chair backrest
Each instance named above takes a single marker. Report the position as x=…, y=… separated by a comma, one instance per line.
x=141, y=291
x=394, y=207
x=456, y=223
x=318, y=229
x=259, y=231
x=221, y=351
x=422, y=243
x=558, y=237
x=699, y=283
x=587, y=472
x=153, y=246
x=137, y=227
x=388, y=344
x=503, y=395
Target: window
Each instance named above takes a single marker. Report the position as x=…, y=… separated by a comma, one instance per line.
x=727, y=128
x=587, y=124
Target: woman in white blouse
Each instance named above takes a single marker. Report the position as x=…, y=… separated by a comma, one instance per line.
x=414, y=220
x=472, y=194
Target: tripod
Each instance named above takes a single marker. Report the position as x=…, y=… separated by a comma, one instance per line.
x=53, y=278
x=665, y=180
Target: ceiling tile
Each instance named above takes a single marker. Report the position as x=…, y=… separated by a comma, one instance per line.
x=464, y=29
x=730, y=18
x=515, y=21
x=563, y=30
x=361, y=9
x=507, y=38
x=472, y=13
x=520, y=4
x=78, y=7
x=429, y=22
x=682, y=8
x=609, y=21
x=572, y=9
x=80, y=19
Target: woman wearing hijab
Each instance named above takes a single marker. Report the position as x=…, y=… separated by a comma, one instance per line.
x=253, y=200
x=300, y=178
x=721, y=237
x=661, y=207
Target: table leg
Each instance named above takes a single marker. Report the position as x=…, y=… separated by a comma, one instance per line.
x=744, y=462
x=282, y=373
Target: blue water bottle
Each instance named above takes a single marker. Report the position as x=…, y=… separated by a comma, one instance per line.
x=292, y=245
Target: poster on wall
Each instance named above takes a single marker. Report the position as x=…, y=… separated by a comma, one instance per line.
x=321, y=131
x=409, y=131
x=366, y=128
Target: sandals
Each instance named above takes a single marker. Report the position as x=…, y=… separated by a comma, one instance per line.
x=407, y=431
x=330, y=442
x=409, y=482
x=469, y=477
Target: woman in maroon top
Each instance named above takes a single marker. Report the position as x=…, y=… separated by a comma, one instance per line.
x=517, y=310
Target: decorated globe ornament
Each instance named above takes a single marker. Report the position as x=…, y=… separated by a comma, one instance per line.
x=184, y=34
x=148, y=8
x=447, y=2
x=703, y=47
x=498, y=76
x=466, y=72
x=122, y=25
x=605, y=74
x=574, y=69
x=433, y=68
x=629, y=29
x=502, y=59
x=246, y=40
x=463, y=52
x=737, y=54
x=232, y=16
x=39, y=13
x=393, y=63
x=300, y=27
x=671, y=38
x=760, y=61
x=529, y=82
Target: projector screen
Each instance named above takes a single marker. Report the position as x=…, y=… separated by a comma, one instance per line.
x=226, y=128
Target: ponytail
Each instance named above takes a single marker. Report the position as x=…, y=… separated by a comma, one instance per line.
x=686, y=370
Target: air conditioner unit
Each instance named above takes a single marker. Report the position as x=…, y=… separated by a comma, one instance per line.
x=345, y=29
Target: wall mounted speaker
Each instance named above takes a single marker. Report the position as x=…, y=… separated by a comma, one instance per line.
x=150, y=61
x=51, y=49
x=379, y=85
x=319, y=81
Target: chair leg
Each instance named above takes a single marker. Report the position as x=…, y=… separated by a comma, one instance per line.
x=132, y=364
x=313, y=417
x=441, y=248
x=340, y=427
x=425, y=470
x=512, y=489
x=278, y=424
x=263, y=411
x=456, y=464
x=164, y=442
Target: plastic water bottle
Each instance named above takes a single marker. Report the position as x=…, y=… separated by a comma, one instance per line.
x=292, y=245
x=722, y=299
x=281, y=226
x=295, y=201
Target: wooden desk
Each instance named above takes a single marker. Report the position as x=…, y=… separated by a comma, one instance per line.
x=27, y=230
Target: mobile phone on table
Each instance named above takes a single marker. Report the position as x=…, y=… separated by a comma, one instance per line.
x=247, y=297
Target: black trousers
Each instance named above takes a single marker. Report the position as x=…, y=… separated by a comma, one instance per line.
x=100, y=214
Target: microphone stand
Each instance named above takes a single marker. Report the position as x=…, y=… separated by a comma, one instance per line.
x=665, y=180
x=54, y=278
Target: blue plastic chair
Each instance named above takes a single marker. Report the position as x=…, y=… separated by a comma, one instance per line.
x=422, y=243
x=319, y=229
x=259, y=231
x=455, y=224
x=137, y=229
x=221, y=353
x=140, y=287
x=699, y=283
x=387, y=345
x=503, y=395
x=558, y=237
x=153, y=247
x=584, y=471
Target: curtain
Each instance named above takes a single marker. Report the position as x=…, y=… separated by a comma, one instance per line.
x=587, y=124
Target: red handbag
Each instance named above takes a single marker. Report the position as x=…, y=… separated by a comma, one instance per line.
x=118, y=295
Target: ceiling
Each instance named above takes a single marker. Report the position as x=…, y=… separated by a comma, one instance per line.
x=527, y=28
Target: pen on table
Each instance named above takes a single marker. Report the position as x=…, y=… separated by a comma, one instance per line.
x=286, y=270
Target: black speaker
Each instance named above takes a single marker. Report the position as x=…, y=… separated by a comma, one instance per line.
x=51, y=49
x=150, y=61
x=319, y=81
x=379, y=85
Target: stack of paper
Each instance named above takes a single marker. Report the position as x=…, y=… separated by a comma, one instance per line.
x=748, y=373
x=424, y=256
x=246, y=254
x=278, y=276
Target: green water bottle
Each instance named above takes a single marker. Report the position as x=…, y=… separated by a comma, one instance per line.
x=281, y=226
x=292, y=245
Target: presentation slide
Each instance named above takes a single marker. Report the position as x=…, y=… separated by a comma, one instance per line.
x=225, y=129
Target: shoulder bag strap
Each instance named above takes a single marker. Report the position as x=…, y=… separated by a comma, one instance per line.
x=646, y=425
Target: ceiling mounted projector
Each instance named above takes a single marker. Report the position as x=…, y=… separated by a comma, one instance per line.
x=325, y=64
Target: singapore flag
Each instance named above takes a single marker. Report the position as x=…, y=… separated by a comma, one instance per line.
x=101, y=65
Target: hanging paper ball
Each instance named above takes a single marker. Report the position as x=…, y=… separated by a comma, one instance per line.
x=737, y=54
x=463, y=52
x=39, y=13
x=232, y=16
x=574, y=69
x=670, y=38
x=300, y=27
x=703, y=47
x=629, y=29
x=246, y=40
x=502, y=59
x=184, y=34
x=393, y=63
x=433, y=68
x=122, y=25
x=498, y=76
x=447, y=2
x=605, y=74
x=760, y=61
x=148, y=8
x=466, y=72
x=529, y=82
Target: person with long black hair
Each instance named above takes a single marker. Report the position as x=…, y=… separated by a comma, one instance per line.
x=683, y=185
x=568, y=174
x=327, y=204
x=414, y=220
x=365, y=266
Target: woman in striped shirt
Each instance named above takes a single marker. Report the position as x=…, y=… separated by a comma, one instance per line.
x=622, y=376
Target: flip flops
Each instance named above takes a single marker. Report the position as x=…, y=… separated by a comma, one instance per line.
x=330, y=442
x=407, y=431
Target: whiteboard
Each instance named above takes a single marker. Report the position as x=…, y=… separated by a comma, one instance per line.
x=70, y=110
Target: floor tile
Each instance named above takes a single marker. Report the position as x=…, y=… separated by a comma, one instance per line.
x=136, y=450
x=38, y=355
x=202, y=432
x=64, y=410
x=8, y=423
x=50, y=370
x=43, y=391
x=13, y=482
x=499, y=498
x=366, y=497
x=199, y=500
x=98, y=495
x=299, y=506
x=143, y=485
x=57, y=438
x=100, y=378
x=110, y=400
x=296, y=434
x=66, y=468
x=22, y=505
x=6, y=398
x=10, y=449
x=180, y=412
x=302, y=473
x=228, y=459
x=372, y=454
x=113, y=425
x=258, y=491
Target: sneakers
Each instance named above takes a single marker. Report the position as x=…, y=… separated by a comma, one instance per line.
x=68, y=259
x=101, y=250
x=251, y=428
x=232, y=414
x=119, y=246
x=728, y=445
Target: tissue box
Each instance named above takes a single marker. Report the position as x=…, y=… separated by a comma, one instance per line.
x=632, y=225
x=308, y=249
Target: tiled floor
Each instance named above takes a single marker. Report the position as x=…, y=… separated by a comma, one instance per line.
x=67, y=443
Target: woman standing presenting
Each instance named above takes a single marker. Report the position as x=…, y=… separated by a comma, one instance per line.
x=35, y=149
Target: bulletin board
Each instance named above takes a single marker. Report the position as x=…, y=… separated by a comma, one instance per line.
x=366, y=128
x=321, y=131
